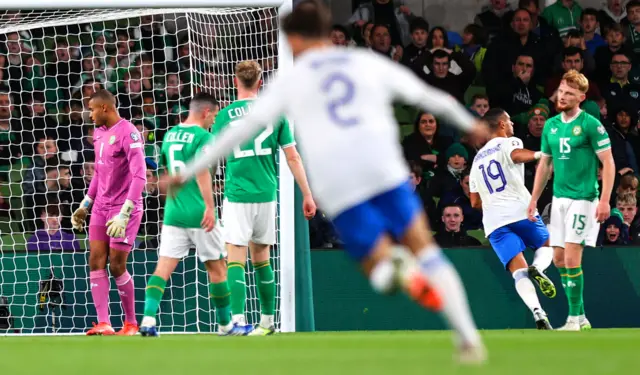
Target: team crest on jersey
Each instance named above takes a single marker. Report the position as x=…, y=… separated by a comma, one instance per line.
x=135, y=136
x=112, y=139
x=577, y=130
x=601, y=130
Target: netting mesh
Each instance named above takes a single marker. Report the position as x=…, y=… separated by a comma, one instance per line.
x=153, y=60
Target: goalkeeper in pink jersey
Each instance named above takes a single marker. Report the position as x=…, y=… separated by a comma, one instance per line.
x=116, y=196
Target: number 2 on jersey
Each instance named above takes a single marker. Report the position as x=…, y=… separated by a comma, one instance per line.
x=258, y=149
x=488, y=174
x=339, y=83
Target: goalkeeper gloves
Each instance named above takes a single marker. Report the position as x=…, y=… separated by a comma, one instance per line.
x=117, y=226
x=80, y=215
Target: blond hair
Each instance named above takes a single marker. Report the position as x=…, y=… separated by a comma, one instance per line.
x=248, y=72
x=626, y=199
x=576, y=80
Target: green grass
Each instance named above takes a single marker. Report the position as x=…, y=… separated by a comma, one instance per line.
x=396, y=353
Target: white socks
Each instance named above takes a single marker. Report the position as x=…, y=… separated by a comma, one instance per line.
x=526, y=289
x=542, y=258
x=148, y=321
x=382, y=277
x=445, y=279
x=239, y=319
x=267, y=321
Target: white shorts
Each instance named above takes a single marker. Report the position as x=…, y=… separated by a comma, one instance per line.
x=244, y=222
x=175, y=243
x=573, y=221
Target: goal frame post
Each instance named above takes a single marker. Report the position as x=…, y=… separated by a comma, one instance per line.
x=283, y=5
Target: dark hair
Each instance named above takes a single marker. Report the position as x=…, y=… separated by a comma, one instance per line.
x=523, y=4
x=575, y=33
x=465, y=173
x=632, y=4
x=479, y=33
x=375, y=26
x=589, y=12
x=343, y=30
x=522, y=10
x=493, y=117
x=52, y=210
x=416, y=123
x=615, y=27
x=310, y=19
x=104, y=96
x=202, y=100
x=440, y=53
x=449, y=205
x=419, y=23
x=621, y=53
x=478, y=97
x=415, y=168
x=570, y=51
x=444, y=36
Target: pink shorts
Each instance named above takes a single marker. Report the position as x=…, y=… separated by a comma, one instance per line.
x=98, y=228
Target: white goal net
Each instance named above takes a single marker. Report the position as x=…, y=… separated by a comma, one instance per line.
x=153, y=60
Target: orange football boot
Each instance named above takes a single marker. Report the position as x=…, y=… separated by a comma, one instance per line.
x=418, y=288
x=101, y=329
x=129, y=329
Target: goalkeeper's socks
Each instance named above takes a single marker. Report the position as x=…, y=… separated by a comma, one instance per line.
x=221, y=296
x=526, y=290
x=238, y=286
x=99, y=281
x=445, y=279
x=127, y=297
x=266, y=287
x=575, y=287
x=153, y=295
x=542, y=258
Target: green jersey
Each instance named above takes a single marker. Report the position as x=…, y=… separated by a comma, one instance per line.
x=573, y=147
x=181, y=144
x=251, y=170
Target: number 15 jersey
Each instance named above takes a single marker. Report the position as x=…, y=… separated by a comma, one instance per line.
x=500, y=183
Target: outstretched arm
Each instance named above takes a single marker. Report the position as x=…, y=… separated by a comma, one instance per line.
x=525, y=156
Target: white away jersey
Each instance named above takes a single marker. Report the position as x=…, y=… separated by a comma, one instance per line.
x=340, y=103
x=500, y=183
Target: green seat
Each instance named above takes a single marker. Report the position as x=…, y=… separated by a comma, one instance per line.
x=479, y=235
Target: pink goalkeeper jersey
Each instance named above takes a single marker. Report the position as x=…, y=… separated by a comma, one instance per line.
x=120, y=171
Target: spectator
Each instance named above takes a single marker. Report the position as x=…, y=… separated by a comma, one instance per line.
x=572, y=58
x=628, y=207
x=365, y=35
x=381, y=43
x=447, y=177
x=612, y=13
x=52, y=237
x=340, y=36
x=425, y=145
x=519, y=93
x=395, y=14
x=452, y=234
x=621, y=146
x=613, y=231
x=615, y=44
x=627, y=184
x=549, y=34
x=633, y=29
x=564, y=15
x=619, y=90
x=151, y=149
x=536, y=117
x=492, y=17
x=575, y=38
x=460, y=196
x=415, y=54
x=497, y=67
x=479, y=104
x=132, y=95
x=437, y=39
x=590, y=26
x=45, y=153
x=474, y=40
x=440, y=76
x=10, y=128
x=428, y=204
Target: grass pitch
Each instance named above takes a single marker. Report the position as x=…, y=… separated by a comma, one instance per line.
x=397, y=353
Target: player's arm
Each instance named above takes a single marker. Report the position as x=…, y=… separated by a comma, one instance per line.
x=474, y=196
x=601, y=145
x=266, y=110
x=543, y=172
x=287, y=142
x=205, y=184
x=525, y=156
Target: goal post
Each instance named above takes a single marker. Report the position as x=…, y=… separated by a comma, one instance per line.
x=153, y=55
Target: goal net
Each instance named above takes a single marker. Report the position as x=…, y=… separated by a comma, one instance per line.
x=153, y=60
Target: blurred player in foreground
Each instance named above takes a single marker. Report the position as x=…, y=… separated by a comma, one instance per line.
x=250, y=199
x=573, y=142
x=116, y=195
x=349, y=141
x=190, y=219
x=497, y=186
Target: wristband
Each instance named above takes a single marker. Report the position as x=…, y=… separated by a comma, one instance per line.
x=86, y=202
x=537, y=155
x=127, y=208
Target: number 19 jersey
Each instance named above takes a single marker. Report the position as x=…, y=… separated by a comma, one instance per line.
x=500, y=183
x=181, y=144
x=251, y=173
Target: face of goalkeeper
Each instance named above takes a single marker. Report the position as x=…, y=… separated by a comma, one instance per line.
x=99, y=111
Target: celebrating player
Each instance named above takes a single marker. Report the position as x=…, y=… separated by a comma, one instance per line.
x=358, y=174
x=116, y=195
x=572, y=142
x=190, y=219
x=250, y=191
x=497, y=186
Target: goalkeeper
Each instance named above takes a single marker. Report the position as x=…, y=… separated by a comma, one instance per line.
x=116, y=194
x=249, y=208
x=190, y=220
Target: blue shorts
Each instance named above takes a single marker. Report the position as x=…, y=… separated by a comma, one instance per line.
x=391, y=213
x=512, y=239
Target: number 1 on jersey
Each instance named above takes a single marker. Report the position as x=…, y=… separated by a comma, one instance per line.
x=488, y=174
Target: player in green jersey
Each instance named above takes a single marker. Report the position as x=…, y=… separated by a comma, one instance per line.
x=574, y=143
x=250, y=196
x=190, y=220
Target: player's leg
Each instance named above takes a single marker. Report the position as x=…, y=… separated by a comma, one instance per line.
x=264, y=236
x=236, y=234
x=98, y=276
x=534, y=235
x=118, y=255
x=174, y=245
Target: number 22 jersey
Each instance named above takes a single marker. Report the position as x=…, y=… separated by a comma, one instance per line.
x=500, y=183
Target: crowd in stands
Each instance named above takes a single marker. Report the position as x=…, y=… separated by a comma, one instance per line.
x=511, y=56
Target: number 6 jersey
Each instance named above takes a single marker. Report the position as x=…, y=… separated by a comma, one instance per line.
x=500, y=183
